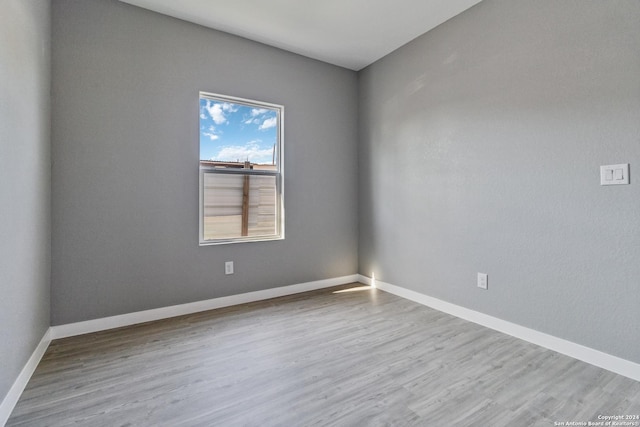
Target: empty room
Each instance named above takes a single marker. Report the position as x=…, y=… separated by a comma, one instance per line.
x=341, y=213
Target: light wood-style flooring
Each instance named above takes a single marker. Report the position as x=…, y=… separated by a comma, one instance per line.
x=345, y=356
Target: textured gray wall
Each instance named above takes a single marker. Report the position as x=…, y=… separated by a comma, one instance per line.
x=125, y=162
x=25, y=174
x=480, y=147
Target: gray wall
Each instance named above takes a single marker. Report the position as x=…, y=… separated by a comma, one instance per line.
x=480, y=147
x=25, y=174
x=125, y=162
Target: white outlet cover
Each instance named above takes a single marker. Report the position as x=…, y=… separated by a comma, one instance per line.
x=614, y=174
x=228, y=267
x=483, y=281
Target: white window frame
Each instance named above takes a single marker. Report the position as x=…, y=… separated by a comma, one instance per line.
x=278, y=173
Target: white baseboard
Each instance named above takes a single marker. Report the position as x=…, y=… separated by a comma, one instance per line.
x=128, y=319
x=595, y=357
x=79, y=328
x=577, y=351
x=10, y=400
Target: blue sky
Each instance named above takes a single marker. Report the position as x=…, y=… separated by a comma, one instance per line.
x=234, y=132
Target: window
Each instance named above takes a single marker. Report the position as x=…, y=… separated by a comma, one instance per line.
x=241, y=197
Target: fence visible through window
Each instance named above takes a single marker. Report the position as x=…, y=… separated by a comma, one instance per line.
x=239, y=205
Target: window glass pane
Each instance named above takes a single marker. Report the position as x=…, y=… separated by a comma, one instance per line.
x=237, y=205
x=233, y=133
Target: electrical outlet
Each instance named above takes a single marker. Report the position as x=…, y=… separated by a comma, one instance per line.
x=483, y=281
x=228, y=267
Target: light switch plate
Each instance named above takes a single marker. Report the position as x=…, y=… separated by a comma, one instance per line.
x=614, y=174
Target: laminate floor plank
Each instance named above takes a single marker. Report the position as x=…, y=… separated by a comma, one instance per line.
x=344, y=356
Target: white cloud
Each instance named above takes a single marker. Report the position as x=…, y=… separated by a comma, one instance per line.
x=250, y=151
x=213, y=136
x=229, y=107
x=258, y=111
x=216, y=112
x=269, y=123
x=203, y=116
x=212, y=133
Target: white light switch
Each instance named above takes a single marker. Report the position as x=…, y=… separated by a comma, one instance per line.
x=614, y=174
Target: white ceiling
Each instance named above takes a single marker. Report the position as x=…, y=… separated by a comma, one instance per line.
x=348, y=33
